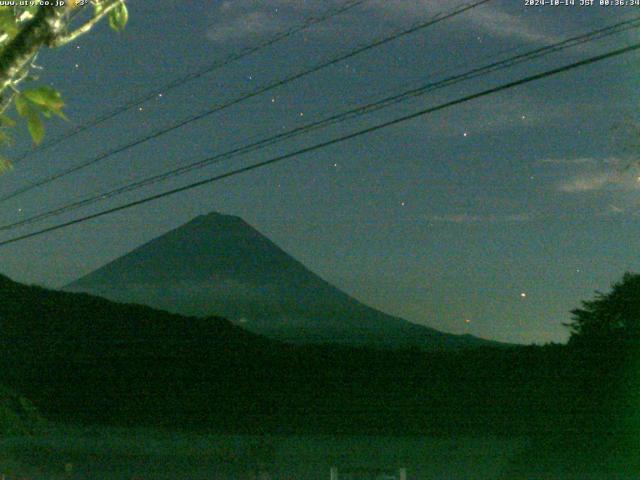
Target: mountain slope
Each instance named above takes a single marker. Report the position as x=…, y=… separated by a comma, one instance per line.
x=219, y=265
x=81, y=357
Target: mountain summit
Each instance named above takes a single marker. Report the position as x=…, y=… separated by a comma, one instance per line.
x=219, y=265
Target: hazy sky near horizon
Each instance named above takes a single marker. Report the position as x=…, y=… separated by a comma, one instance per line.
x=494, y=217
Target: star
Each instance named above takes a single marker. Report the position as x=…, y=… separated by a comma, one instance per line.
x=465, y=134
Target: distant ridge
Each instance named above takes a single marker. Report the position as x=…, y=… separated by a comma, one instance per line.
x=218, y=264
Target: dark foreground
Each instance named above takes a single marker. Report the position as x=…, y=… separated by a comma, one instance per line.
x=86, y=361
x=110, y=454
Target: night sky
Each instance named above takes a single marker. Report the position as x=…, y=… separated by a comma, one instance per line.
x=494, y=217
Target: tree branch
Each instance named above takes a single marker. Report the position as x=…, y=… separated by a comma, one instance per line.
x=5, y=102
x=70, y=37
x=39, y=31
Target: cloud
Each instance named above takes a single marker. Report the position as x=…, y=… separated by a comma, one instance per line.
x=569, y=161
x=489, y=19
x=598, y=179
x=615, y=209
x=587, y=182
x=506, y=25
x=245, y=18
x=467, y=218
x=581, y=161
x=244, y=25
x=510, y=111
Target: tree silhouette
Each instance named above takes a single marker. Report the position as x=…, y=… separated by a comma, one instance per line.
x=606, y=332
x=611, y=320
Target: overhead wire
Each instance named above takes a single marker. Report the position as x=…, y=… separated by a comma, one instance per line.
x=416, y=27
x=201, y=72
x=333, y=141
x=342, y=116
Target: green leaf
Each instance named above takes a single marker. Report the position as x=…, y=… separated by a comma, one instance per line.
x=5, y=137
x=33, y=104
x=8, y=21
x=22, y=106
x=6, y=121
x=118, y=17
x=36, y=126
x=45, y=100
x=60, y=113
x=44, y=97
x=5, y=165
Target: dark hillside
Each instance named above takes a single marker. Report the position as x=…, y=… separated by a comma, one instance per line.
x=85, y=359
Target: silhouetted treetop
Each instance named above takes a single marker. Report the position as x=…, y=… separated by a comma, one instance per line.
x=611, y=318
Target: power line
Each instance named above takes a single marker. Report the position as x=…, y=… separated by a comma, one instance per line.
x=333, y=141
x=218, y=64
x=343, y=116
x=432, y=21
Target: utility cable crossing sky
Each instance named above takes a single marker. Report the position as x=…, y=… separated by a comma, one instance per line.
x=254, y=93
x=343, y=116
x=336, y=140
x=218, y=64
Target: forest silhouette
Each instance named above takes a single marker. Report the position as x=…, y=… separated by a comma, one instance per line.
x=83, y=359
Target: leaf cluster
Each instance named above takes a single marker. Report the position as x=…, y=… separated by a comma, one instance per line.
x=11, y=20
x=34, y=105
